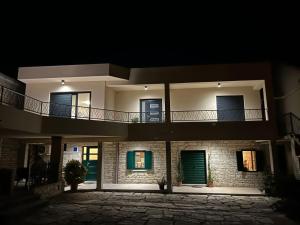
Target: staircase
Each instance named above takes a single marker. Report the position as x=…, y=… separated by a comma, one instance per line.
x=14, y=209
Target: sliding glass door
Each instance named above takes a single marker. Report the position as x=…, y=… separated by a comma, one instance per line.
x=71, y=104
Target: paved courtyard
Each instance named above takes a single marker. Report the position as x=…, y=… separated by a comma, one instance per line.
x=152, y=208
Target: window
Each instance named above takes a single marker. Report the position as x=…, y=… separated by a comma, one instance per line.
x=139, y=160
x=250, y=160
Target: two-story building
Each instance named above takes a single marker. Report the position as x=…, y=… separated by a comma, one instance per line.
x=136, y=125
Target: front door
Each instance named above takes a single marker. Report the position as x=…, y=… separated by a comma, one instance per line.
x=151, y=110
x=193, y=167
x=60, y=104
x=89, y=160
x=230, y=108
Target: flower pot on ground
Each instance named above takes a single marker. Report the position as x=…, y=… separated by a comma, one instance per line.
x=161, y=183
x=74, y=174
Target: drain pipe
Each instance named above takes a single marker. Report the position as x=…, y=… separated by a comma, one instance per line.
x=117, y=163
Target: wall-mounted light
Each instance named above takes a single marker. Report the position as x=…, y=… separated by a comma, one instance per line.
x=219, y=85
x=146, y=88
x=62, y=82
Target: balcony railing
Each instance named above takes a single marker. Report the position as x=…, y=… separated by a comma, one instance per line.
x=29, y=104
x=218, y=115
x=290, y=124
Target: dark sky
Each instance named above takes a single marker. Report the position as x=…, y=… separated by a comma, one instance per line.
x=153, y=48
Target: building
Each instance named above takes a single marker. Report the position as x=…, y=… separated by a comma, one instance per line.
x=137, y=125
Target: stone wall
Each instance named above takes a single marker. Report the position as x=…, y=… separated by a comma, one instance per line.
x=49, y=190
x=9, y=153
x=223, y=161
x=133, y=177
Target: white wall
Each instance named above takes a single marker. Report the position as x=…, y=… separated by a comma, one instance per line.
x=41, y=91
x=205, y=98
x=129, y=101
x=109, y=98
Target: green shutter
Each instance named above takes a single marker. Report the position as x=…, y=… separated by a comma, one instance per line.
x=239, y=160
x=130, y=160
x=148, y=160
x=260, y=159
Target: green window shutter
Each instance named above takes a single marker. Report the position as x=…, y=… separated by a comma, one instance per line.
x=239, y=160
x=130, y=160
x=260, y=159
x=148, y=160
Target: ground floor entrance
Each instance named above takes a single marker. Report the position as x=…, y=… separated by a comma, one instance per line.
x=89, y=160
x=193, y=165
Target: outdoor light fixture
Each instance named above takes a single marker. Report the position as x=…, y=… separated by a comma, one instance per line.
x=62, y=82
x=219, y=85
x=146, y=88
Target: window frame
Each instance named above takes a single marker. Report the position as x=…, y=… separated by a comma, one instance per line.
x=252, y=150
x=135, y=168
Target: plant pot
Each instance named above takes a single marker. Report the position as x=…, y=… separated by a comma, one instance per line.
x=161, y=187
x=74, y=187
x=210, y=184
x=179, y=183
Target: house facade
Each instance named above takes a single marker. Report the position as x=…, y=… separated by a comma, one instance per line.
x=134, y=126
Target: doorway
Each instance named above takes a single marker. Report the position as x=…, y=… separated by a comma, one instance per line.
x=193, y=167
x=151, y=110
x=89, y=160
x=230, y=108
x=70, y=104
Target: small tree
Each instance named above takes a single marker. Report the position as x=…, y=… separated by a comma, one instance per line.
x=210, y=178
x=75, y=173
x=179, y=177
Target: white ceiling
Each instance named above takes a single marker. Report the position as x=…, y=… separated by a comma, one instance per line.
x=136, y=87
x=255, y=84
x=70, y=79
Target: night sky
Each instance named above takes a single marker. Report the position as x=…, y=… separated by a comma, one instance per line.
x=146, y=49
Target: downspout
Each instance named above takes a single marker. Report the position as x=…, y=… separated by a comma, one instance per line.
x=117, y=163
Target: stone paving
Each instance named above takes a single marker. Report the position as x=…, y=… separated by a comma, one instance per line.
x=154, y=208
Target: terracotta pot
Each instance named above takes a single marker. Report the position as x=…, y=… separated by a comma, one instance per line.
x=179, y=183
x=210, y=184
x=74, y=187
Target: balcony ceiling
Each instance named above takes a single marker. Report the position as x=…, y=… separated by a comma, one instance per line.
x=255, y=84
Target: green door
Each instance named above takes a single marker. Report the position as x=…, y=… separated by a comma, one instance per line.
x=193, y=167
x=89, y=160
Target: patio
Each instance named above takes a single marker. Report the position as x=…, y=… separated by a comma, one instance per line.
x=195, y=189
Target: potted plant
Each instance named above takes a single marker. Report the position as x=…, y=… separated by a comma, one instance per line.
x=161, y=183
x=179, y=177
x=210, y=179
x=135, y=120
x=74, y=174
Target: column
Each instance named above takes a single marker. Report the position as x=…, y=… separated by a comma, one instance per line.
x=167, y=103
x=168, y=164
x=56, y=159
x=100, y=167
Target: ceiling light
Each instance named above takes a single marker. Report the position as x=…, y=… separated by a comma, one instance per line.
x=146, y=88
x=62, y=82
x=219, y=85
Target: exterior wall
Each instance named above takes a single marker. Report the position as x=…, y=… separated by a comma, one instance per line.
x=69, y=154
x=223, y=162
x=205, y=98
x=129, y=101
x=109, y=98
x=9, y=153
x=41, y=91
x=133, y=177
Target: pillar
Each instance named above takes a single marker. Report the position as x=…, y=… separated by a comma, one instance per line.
x=56, y=159
x=100, y=167
x=167, y=103
x=169, y=166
